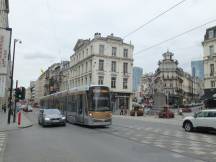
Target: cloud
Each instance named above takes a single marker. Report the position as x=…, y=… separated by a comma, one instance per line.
x=38, y=55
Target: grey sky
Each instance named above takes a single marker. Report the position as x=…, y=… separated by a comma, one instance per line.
x=49, y=29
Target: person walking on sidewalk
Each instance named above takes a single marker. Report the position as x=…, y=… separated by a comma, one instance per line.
x=122, y=110
x=4, y=108
x=125, y=110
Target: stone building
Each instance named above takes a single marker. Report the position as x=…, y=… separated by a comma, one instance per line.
x=103, y=61
x=169, y=79
x=209, y=57
x=5, y=72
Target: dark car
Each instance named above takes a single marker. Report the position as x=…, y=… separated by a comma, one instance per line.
x=51, y=117
x=166, y=113
x=186, y=109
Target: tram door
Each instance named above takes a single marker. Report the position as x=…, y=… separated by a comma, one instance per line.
x=80, y=109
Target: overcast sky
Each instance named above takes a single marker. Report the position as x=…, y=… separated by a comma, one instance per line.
x=49, y=30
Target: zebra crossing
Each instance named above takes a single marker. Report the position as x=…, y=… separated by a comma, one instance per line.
x=201, y=146
x=3, y=138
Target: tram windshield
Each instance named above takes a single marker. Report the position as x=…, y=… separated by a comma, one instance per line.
x=99, y=99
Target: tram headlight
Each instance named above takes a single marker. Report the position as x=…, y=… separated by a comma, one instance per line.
x=63, y=118
x=47, y=118
x=90, y=114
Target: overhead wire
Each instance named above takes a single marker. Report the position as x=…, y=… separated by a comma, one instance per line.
x=154, y=18
x=174, y=37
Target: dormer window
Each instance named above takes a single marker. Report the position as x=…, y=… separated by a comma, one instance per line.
x=211, y=34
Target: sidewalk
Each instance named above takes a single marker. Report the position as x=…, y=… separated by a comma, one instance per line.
x=4, y=126
x=155, y=119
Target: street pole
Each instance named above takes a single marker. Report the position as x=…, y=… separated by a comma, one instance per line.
x=11, y=86
x=14, y=114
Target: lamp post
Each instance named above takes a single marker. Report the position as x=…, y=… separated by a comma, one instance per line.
x=11, y=86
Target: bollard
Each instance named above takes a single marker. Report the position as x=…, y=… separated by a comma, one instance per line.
x=19, y=119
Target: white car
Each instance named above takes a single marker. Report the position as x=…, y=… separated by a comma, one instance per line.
x=205, y=119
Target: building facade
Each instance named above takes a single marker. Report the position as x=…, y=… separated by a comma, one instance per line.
x=40, y=89
x=137, y=74
x=103, y=61
x=4, y=24
x=209, y=57
x=179, y=87
x=4, y=11
x=197, y=69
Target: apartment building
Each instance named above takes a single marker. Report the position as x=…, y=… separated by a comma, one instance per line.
x=103, y=61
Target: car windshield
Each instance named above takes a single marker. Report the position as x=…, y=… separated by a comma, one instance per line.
x=52, y=111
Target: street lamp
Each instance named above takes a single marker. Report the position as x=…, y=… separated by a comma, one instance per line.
x=11, y=86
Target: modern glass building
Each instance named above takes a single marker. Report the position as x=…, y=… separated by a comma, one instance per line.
x=197, y=68
x=137, y=74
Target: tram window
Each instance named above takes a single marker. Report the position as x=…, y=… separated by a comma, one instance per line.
x=85, y=104
x=74, y=104
x=80, y=104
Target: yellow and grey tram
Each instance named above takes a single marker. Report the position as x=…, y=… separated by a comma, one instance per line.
x=88, y=105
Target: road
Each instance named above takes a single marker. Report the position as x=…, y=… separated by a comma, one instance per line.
x=125, y=141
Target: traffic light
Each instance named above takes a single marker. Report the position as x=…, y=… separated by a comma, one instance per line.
x=18, y=94
x=23, y=93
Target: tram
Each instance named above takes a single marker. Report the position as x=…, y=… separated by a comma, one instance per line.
x=87, y=105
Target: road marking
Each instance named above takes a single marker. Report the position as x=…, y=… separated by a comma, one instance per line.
x=177, y=150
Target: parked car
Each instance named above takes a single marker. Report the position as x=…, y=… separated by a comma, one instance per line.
x=166, y=113
x=28, y=108
x=51, y=117
x=138, y=109
x=205, y=119
x=186, y=109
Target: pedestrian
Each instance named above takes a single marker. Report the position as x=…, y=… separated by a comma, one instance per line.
x=125, y=110
x=4, y=108
x=121, y=110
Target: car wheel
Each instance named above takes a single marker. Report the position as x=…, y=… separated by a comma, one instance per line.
x=188, y=127
x=43, y=124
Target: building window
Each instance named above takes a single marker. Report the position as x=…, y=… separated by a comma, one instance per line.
x=91, y=49
x=125, y=67
x=101, y=49
x=101, y=65
x=211, y=69
x=87, y=51
x=212, y=84
x=125, y=52
x=171, y=85
x=113, y=67
x=86, y=80
x=100, y=80
x=113, y=82
x=114, y=51
x=125, y=81
x=211, y=50
x=86, y=67
x=211, y=34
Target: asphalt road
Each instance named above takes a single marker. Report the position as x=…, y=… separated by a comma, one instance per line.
x=125, y=141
